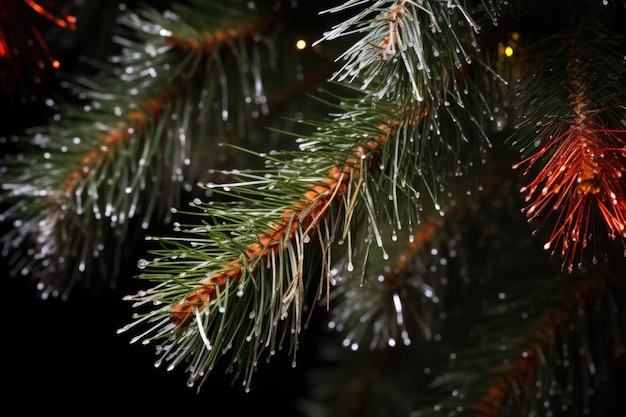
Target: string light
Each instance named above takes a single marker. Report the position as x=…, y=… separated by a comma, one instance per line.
x=67, y=21
x=508, y=49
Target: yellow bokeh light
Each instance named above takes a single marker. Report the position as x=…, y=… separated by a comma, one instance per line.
x=508, y=51
x=300, y=44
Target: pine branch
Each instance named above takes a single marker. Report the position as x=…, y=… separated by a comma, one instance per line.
x=576, y=132
x=401, y=301
x=420, y=35
x=511, y=303
x=540, y=359
x=391, y=304
x=240, y=270
x=252, y=249
x=421, y=56
x=119, y=158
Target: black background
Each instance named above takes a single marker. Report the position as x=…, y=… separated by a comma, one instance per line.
x=66, y=356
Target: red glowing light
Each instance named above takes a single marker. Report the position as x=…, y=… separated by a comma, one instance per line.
x=66, y=21
x=583, y=175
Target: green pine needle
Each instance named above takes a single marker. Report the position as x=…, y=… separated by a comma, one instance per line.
x=116, y=160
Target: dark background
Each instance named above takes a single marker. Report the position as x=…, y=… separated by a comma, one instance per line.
x=66, y=356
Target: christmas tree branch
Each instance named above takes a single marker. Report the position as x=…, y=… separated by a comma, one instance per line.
x=400, y=301
x=241, y=272
x=546, y=314
x=125, y=149
x=392, y=303
x=579, y=137
x=395, y=302
x=303, y=217
x=420, y=35
x=531, y=362
x=268, y=250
